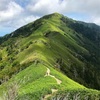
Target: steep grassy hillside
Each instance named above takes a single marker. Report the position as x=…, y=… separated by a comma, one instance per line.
x=41, y=60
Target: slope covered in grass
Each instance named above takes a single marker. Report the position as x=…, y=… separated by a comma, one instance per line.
x=34, y=84
x=55, y=42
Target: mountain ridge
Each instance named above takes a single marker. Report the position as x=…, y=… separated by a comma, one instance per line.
x=91, y=25
x=61, y=44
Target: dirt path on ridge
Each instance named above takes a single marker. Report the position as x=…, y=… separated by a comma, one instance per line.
x=53, y=90
x=48, y=74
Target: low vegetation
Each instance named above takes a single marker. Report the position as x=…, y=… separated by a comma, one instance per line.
x=68, y=48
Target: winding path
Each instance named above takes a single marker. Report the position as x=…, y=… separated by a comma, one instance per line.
x=53, y=90
x=48, y=74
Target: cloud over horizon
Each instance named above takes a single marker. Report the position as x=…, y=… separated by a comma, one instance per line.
x=16, y=13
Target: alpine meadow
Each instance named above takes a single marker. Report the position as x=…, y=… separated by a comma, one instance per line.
x=52, y=58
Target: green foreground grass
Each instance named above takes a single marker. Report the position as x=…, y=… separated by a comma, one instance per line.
x=34, y=85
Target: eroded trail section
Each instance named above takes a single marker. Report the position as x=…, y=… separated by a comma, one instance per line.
x=53, y=90
x=48, y=74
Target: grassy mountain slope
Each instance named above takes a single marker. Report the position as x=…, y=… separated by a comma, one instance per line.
x=36, y=57
x=34, y=82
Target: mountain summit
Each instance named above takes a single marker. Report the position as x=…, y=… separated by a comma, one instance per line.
x=52, y=58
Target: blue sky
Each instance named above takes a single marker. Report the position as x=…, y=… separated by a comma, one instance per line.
x=16, y=13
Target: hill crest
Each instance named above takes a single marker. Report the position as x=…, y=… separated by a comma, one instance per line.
x=68, y=49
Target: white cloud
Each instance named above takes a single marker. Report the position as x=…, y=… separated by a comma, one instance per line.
x=11, y=11
x=15, y=13
x=3, y=4
x=89, y=8
x=41, y=7
x=23, y=20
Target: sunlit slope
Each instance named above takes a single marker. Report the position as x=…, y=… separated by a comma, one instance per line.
x=37, y=56
x=35, y=82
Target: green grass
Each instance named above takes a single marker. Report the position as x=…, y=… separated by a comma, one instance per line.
x=33, y=84
x=50, y=40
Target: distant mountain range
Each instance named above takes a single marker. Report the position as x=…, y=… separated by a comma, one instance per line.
x=52, y=58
